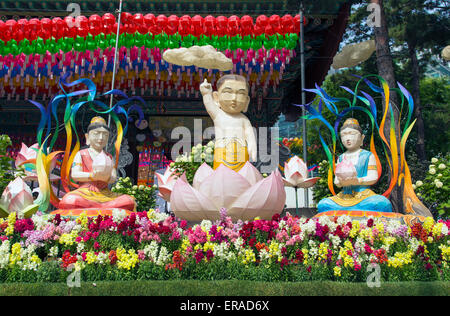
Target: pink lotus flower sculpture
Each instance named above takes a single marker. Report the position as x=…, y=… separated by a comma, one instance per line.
x=296, y=174
x=245, y=194
x=28, y=155
x=18, y=198
x=345, y=170
x=166, y=183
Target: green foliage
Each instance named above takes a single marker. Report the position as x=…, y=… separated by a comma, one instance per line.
x=434, y=189
x=189, y=163
x=321, y=189
x=144, y=195
x=7, y=172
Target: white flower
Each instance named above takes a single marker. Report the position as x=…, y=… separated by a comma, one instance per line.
x=419, y=183
x=194, y=150
x=199, y=146
x=53, y=252
x=118, y=215
x=439, y=175
x=441, y=166
x=439, y=184
x=80, y=247
x=432, y=171
x=210, y=144
x=206, y=224
x=434, y=160
x=414, y=186
x=164, y=256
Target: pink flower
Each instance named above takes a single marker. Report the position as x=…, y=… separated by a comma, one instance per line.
x=96, y=245
x=141, y=255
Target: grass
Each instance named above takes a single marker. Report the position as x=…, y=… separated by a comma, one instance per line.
x=228, y=288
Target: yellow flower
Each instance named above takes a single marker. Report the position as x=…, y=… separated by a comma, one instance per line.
x=428, y=224
x=82, y=219
x=11, y=221
x=208, y=246
x=355, y=229
x=91, y=257
x=323, y=251
x=126, y=260
x=249, y=256
x=16, y=254
x=400, y=259
x=445, y=252
x=437, y=229
x=68, y=239
x=337, y=271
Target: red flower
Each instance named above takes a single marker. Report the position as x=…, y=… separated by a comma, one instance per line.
x=370, y=222
x=112, y=257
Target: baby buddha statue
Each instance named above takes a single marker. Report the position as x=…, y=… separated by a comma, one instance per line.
x=94, y=170
x=235, y=139
x=356, y=180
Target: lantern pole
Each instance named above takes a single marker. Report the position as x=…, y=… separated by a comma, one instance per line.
x=302, y=68
x=114, y=63
x=114, y=60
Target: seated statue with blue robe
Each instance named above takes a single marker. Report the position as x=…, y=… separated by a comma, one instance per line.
x=356, y=194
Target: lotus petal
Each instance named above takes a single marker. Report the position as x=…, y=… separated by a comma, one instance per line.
x=249, y=172
x=224, y=186
x=166, y=190
x=264, y=199
x=201, y=174
x=295, y=166
x=307, y=183
x=168, y=179
x=17, y=195
x=345, y=169
x=191, y=205
x=26, y=153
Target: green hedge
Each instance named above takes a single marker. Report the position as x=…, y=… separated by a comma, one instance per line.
x=220, y=270
x=226, y=288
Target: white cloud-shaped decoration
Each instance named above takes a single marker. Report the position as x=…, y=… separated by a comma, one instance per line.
x=353, y=54
x=446, y=53
x=201, y=56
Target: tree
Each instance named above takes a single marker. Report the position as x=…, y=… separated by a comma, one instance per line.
x=418, y=26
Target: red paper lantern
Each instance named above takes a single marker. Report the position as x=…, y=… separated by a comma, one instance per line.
x=274, y=22
x=95, y=24
x=160, y=24
x=233, y=25
x=11, y=26
x=262, y=21
x=246, y=25
x=149, y=20
x=126, y=18
x=185, y=27
x=209, y=25
x=172, y=25
x=296, y=28
x=287, y=24
x=221, y=25
x=197, y=25
x=108, y=19
x=138, y=20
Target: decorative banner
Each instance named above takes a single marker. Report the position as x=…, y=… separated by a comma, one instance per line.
x=35, y=54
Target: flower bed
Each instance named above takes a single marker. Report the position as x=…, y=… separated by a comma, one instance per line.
x=154, y=246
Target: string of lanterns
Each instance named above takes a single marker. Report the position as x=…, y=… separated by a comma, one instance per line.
x=35, y=53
